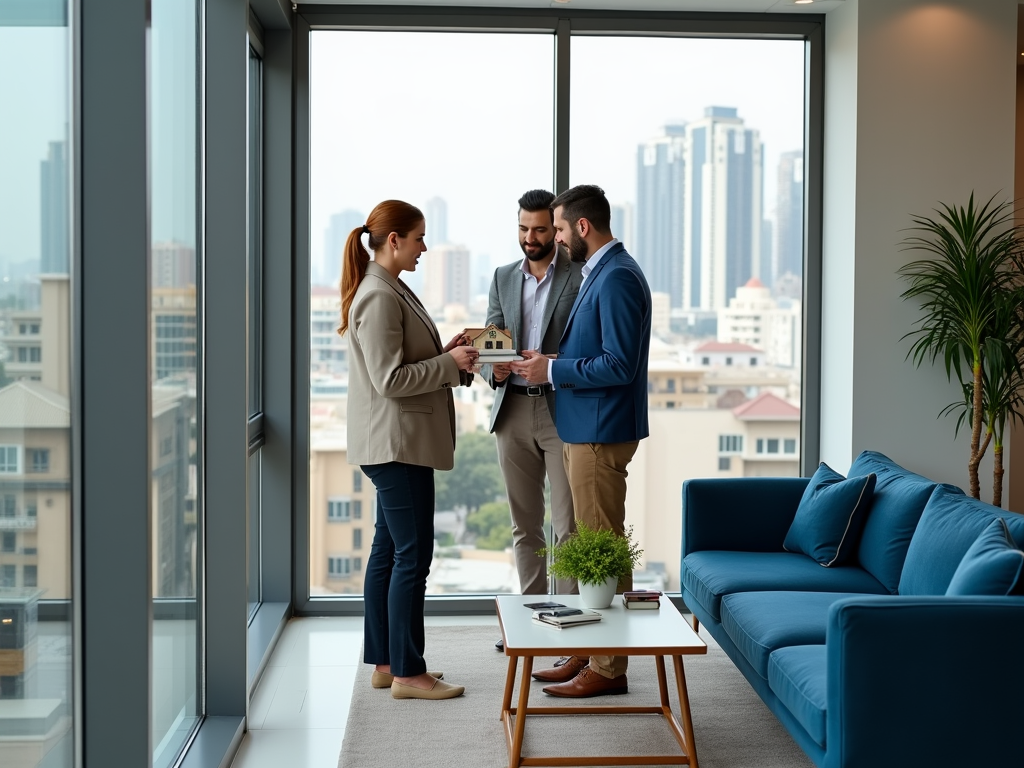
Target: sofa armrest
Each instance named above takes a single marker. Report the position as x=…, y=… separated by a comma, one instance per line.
x=739, y=514
x=924, y=681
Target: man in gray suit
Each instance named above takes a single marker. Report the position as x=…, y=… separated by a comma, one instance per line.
x=532, y=299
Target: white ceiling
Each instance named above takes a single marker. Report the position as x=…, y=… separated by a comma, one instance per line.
x=731, y=6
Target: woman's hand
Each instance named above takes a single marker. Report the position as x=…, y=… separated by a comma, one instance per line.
x=465, y=357
x=458, y=340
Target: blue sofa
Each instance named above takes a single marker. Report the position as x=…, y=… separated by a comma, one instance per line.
x=868, y=663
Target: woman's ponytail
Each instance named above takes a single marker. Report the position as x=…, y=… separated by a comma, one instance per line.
x=353, y=270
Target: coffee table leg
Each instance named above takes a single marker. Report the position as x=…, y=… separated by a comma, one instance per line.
x=662, y=682
x=516, y=751
x=510, y=681
x=684, y=707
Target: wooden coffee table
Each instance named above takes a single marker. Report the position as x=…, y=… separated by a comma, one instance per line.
x=620, y=632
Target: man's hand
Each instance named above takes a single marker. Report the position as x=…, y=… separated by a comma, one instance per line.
x=534, y=368
x=500, y=371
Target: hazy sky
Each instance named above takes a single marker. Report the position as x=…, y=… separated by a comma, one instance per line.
x=469, y=117
x=34, y=100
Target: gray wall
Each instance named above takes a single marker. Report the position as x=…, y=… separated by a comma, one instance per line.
x=920, y=109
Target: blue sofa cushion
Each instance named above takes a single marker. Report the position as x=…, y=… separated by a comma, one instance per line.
x=709, y=575
x=761, y=622
x=991, y=566
x=798, y=676
x=896, y=507
x=951, y=523
x=831, y=514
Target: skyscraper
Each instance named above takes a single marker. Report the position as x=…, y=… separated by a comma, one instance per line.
x=338, y=228
x=722, y=247
x=622, y=224
x=789, y=223
x=435, y=210
x=53, y=206
x=660, y=197
x=446, y=277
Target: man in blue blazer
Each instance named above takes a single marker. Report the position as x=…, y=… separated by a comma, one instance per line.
x=600, y=382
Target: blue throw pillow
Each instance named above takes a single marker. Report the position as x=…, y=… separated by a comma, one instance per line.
x=991, y=566
x=830, y=517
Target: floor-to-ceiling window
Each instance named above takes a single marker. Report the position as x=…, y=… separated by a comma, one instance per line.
x=459, y=124
x=255, y=326
x=176, y=430
x=36, y=460
x=699, y=139
x=704, y=171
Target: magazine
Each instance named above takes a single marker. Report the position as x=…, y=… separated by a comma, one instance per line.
x=566, y=617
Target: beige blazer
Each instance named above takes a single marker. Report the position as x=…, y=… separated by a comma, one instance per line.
x=400, y=405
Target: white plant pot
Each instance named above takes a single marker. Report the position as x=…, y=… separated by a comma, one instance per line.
x=599, y=595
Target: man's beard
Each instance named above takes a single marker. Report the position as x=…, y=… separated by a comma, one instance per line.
x=543, y=253
x=577, y=248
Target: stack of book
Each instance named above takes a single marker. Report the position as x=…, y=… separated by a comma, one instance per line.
x=642, y=600
x=560, y=618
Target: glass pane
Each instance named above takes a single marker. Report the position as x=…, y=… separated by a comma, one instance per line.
x=173, y=53
x=704, y=172
x=255, y=251
x=35, y=417
x=462, y=142
x=255, y=507
x=255, y=271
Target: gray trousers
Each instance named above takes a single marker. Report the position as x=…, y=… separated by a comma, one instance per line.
x=529, y=448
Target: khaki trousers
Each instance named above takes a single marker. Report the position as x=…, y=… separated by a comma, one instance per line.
x=529, y=448
x=597, y=476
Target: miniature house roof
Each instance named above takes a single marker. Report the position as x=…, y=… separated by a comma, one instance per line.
x=480, y=333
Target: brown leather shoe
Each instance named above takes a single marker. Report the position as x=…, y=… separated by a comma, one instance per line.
x=566, y=668
x=588, y=683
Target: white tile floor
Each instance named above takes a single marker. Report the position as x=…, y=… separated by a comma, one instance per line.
x=297, y=715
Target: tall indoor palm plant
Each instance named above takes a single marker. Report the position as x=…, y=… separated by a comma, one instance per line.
x=971, y=299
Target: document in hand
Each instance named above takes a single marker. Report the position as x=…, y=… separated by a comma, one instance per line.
x=566, y=617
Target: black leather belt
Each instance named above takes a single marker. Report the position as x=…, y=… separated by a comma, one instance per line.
x=535, y=391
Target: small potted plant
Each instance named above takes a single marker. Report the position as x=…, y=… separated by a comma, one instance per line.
x=597, y=559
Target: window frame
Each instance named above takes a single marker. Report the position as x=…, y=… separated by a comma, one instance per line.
x=563, y=23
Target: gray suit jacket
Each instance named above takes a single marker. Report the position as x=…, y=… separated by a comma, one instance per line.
x=400, y=405
x=505, y=310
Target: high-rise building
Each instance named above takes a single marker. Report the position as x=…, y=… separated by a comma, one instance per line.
x=789, y=219
x=435, y=210
x=446, y=277
x=722, y=246
x=53, y=208
x=338, y=228
x=622, y=224
x=174, y=265
x=660, y=196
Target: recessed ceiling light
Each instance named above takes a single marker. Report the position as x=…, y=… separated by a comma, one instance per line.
x=562, y=1
x=802, y=2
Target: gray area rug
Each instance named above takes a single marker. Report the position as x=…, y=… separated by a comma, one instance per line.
x=732, y=727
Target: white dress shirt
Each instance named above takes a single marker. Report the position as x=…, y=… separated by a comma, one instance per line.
x=588, y=267
x=535, y=300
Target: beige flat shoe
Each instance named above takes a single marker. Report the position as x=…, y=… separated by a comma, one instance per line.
x=440, y=690
x=385, y=679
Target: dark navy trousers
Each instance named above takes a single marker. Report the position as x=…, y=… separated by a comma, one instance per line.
x=396, y=571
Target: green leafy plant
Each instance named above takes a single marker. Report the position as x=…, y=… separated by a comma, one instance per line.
x=972, y=303
x=591, y=556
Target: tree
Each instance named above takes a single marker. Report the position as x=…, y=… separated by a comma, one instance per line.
x=971, y=297
x=476, y=478
x=492, y=525
x=4, y=379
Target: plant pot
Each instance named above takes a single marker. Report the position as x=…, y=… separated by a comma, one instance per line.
x=599, y=595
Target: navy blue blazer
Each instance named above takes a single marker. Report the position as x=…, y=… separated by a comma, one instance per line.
x=600, y=376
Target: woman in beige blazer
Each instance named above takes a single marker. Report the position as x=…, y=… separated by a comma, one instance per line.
x=401, y=427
